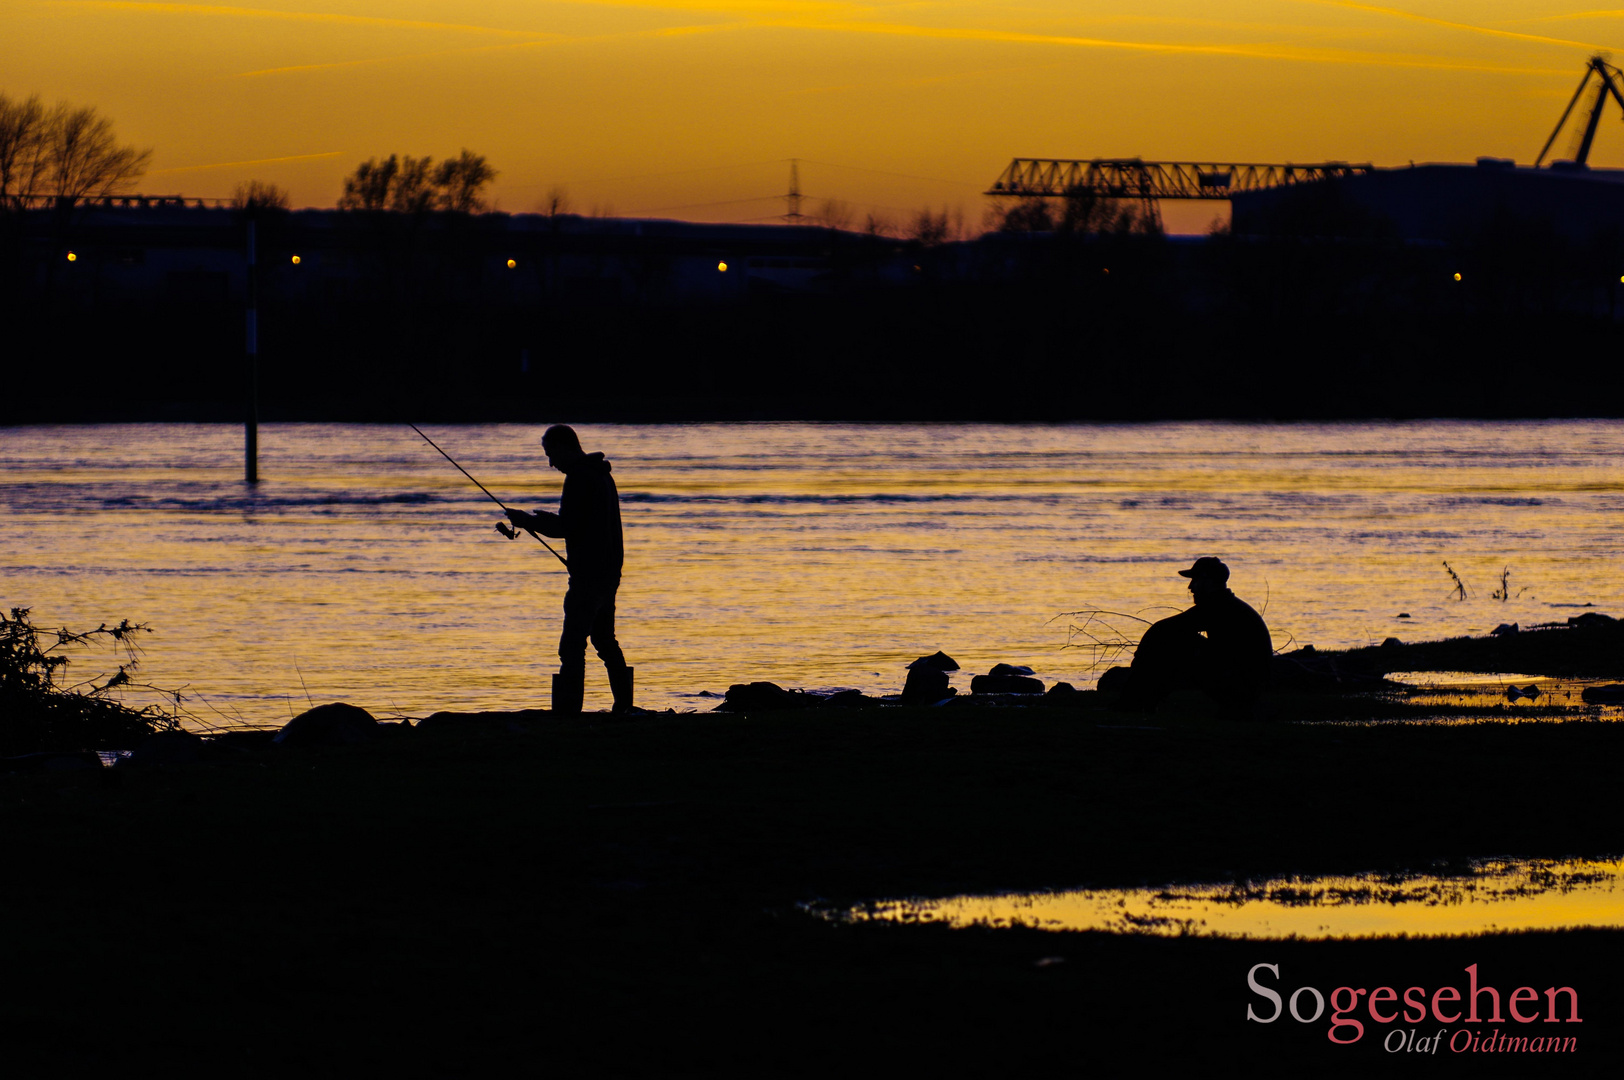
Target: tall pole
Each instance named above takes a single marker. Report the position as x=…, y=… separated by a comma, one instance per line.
x=251, y=417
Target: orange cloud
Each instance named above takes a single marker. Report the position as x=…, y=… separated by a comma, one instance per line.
x=1255, y=51
x=1410, y=16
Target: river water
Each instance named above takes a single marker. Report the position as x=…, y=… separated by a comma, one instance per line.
x=1480, y=897
x=364, y=568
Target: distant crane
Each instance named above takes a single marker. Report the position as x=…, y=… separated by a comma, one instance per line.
x=1133, y=178
x=1606, y=75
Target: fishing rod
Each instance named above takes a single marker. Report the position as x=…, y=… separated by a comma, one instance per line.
x=505, y=530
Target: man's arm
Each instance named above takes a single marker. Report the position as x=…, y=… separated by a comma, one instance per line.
x=542, y=521
x=1190, y=620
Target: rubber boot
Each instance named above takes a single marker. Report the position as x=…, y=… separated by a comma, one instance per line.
x=568, y=690
x=620, y=685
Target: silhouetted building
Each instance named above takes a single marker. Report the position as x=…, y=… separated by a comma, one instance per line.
x=1441, y=203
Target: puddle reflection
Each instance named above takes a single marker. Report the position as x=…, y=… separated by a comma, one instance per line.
x=1476, y=697
x=1488, y=895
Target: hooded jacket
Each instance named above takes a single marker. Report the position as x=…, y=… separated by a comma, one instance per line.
x=588, y=520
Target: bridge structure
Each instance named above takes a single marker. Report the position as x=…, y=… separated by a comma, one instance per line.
x=29, y=201
x=1134, y=178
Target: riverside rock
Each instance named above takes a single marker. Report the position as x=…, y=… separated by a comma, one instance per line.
x=937, y=661
x=334, y=724
x=165, y=748
x=1010, y=669
x=765, y=695
x=1114, y=680
x=1005, y=684
x=926, y=686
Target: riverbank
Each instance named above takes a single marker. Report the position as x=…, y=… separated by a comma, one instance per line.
x=622, y=896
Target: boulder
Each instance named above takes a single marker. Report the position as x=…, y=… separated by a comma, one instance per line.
x=926, y=686
x=1005, y=684
x=517, y=722
x=937, y=661
x=1010, y=669
x=765, y=695
x=1115, y=680
x=334, y=724
x=164, y=748
x=1612, y=694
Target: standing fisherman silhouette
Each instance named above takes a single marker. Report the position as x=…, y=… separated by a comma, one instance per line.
x=588, y=520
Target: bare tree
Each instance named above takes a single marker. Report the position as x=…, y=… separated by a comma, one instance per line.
x=461, y=181
x=24, y=148
x=930, y=229
x=879, y=225
x=65, y=151
x=834, y=214
x=260, y=195
x=412, y=191
x=556, y=202
x=86, y=158
x=367, y=188
x=411, y=185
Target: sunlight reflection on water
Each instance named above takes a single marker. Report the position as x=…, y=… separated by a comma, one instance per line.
x=1488, y=896
x=364, y=568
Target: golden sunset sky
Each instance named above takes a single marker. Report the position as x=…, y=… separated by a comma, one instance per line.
x=692, y=108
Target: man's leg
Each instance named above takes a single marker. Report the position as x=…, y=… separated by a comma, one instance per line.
x=1171, y=656
x=608, y=649
x=569, y=685
x=602, y=630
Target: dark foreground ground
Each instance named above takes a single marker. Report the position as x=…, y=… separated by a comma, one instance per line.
x=496, y=896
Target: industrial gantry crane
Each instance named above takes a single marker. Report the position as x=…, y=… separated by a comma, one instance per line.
x=1134, y=178
x=1606, y=78
x=1151, y=181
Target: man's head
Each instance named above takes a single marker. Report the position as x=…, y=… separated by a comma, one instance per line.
x=562, y=446
x=1208, y=577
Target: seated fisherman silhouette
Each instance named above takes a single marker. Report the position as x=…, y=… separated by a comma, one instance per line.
x=588, y=519
x=1220, y=646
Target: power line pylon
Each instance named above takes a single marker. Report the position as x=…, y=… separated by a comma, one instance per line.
x=793, y=199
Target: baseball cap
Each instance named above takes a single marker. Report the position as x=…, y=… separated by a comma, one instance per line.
x=1207, y=567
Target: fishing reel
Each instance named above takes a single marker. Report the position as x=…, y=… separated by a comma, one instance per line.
x=507, y=530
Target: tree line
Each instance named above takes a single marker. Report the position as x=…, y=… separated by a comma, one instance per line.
x=63, y=151
x=68, y=152
x=412, y=185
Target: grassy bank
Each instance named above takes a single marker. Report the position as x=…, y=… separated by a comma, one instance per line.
x=621, y=896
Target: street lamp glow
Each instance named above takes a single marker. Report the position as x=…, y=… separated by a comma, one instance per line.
x=722, y=267
x=1457, y=277
x=72, y=257
x=513, y=263
x=296, y=260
